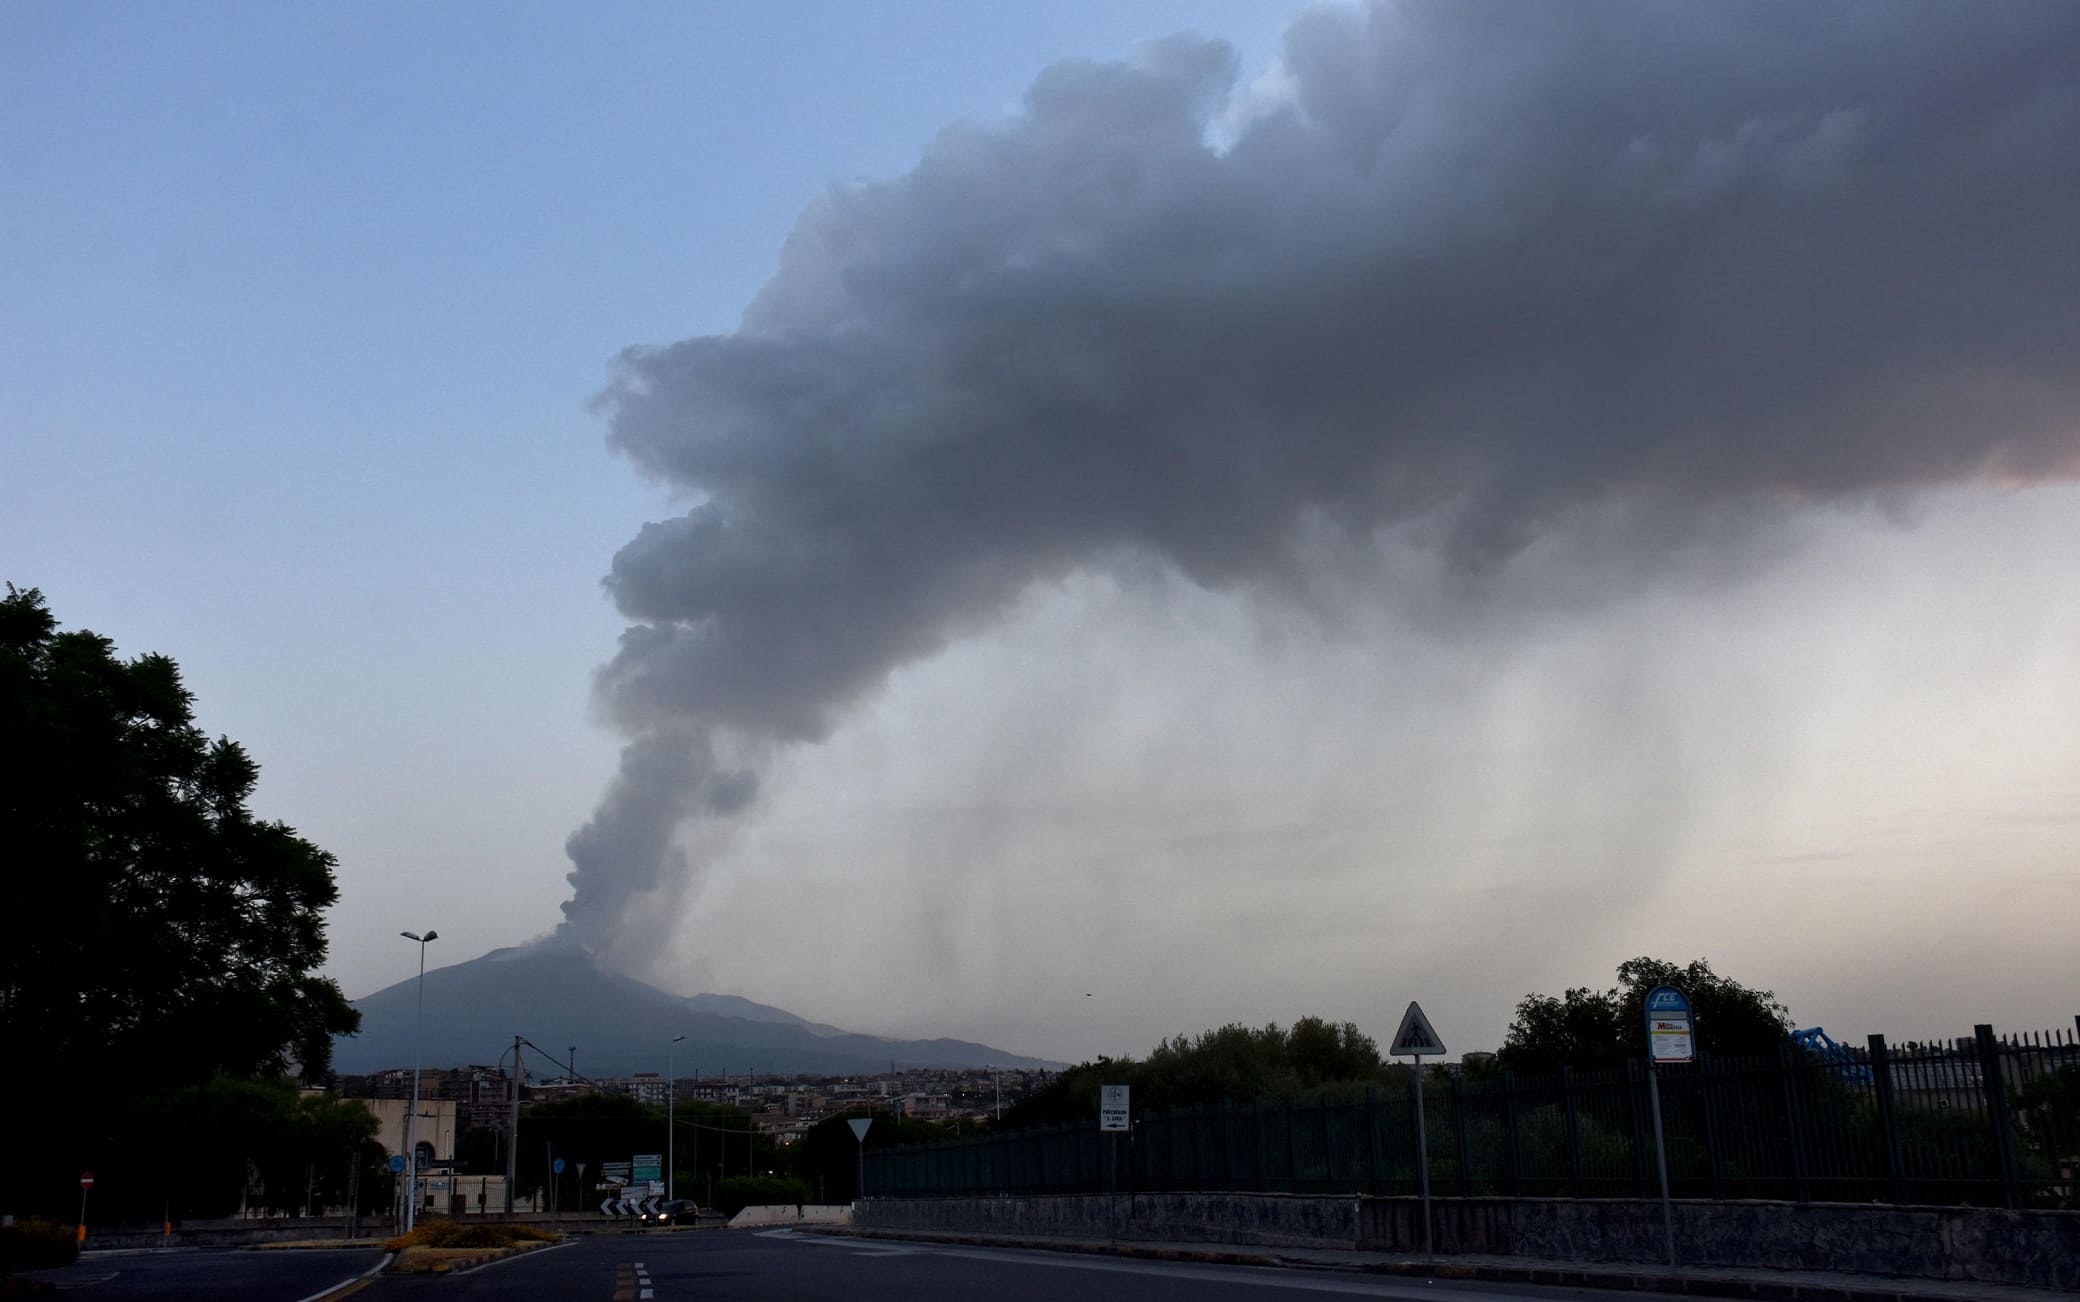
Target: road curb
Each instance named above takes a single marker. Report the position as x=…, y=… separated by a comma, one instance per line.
x=1692, y=1285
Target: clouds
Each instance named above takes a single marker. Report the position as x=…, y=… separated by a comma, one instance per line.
x=1487, y=270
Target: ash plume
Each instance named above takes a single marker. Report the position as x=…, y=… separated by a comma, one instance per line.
x=1473, y=268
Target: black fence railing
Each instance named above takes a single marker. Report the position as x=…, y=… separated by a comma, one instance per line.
x=1988, y=1120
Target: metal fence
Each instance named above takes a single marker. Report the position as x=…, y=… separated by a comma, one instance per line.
x=1989, y=1120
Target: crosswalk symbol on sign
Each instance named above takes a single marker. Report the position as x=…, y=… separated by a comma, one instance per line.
x=1416, y=1038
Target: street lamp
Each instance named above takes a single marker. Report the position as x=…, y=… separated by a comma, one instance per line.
x=671, y=1099
x=411, y=1184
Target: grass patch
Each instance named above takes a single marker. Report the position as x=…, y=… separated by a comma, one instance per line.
x=439, y=1261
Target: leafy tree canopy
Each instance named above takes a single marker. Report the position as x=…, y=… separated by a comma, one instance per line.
x=210, y=1148
x=153, y=925
x=1599, y=1028
x=1233, y=1062
x=827, y=1157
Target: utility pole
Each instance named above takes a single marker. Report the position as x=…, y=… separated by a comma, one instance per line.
x=513, y=1129
x=671, y=1129
x=411, y=1146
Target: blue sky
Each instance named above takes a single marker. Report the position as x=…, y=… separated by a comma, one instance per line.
x=303, y=312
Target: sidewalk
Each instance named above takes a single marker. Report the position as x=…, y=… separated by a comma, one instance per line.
x=1720, y=1282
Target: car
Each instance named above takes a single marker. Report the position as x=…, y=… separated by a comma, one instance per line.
x=676, y=1211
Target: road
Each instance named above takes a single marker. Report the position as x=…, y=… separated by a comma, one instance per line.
x=798, y=1266
x=220, y=1274
x=782, y=1265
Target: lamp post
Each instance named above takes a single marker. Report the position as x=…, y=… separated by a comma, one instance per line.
x=671, y=1099
x=411, y=1148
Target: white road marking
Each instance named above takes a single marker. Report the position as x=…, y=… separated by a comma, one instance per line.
x=1274, y=1277
x=328, y=1292
x=644, y=1295
x=521, y=1256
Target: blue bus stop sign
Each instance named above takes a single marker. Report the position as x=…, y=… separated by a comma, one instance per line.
x=397, y=1164
x=557, y=1166
x=1669, y=1037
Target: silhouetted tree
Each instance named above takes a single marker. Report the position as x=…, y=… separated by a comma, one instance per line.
x=1232, y=1062
x=826, y=1159
x=1598, y=1028
x=154, y=933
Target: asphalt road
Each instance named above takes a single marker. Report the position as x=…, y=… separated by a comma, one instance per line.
x=746, y=1266
x=221, y=1275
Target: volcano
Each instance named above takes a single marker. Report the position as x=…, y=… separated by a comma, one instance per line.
x=557, y=995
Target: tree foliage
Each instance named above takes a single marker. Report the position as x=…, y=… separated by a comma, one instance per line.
x=826, y=1158
x=206, y=1150
x=1231, y=1062
x=155, y=931
x=714, y=1141
x=1598, y=1028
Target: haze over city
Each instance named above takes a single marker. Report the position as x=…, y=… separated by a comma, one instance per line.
x=1060, y=528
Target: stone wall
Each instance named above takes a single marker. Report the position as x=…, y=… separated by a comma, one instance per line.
x=1259, y=1220
x=793, y=1214
x=240, y=1232
x=237, y=1232
x=2039, y=1249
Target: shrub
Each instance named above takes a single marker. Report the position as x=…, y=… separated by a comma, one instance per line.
x=740, y=1191
x=440, y=1232
x=36, y=1244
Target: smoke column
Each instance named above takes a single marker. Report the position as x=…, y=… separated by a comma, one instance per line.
x=1470, y=270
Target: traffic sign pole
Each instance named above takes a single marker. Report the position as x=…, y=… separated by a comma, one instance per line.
x=1670, y=1038
x=1423, y=1156
x=859, y=1133
x=86, y=1186
x=1668, y=1218
x=1418, y=1039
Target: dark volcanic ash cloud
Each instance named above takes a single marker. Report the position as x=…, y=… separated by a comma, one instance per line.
x=1486, y=267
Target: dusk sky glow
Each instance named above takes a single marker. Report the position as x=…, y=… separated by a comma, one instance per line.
x=1245, y=512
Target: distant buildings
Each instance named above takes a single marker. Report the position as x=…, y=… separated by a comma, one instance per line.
x=433, y=1133
x=456, y=1102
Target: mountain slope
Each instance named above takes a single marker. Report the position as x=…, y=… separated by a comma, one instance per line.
x=556, y=996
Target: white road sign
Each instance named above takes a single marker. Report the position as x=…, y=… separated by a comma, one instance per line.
x=1416, y=1038
x=1112, y=1108
x=1668, y=1026
x=1668, y=1039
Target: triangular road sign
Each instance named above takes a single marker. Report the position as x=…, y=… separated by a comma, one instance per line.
x=859, y=1127
x=1416, y=1038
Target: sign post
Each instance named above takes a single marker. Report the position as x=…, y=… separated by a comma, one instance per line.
x=1669, y=1039
x=1114, y=1118
x=86, y=1185
x=1418, y=1039
x=859, y=1132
